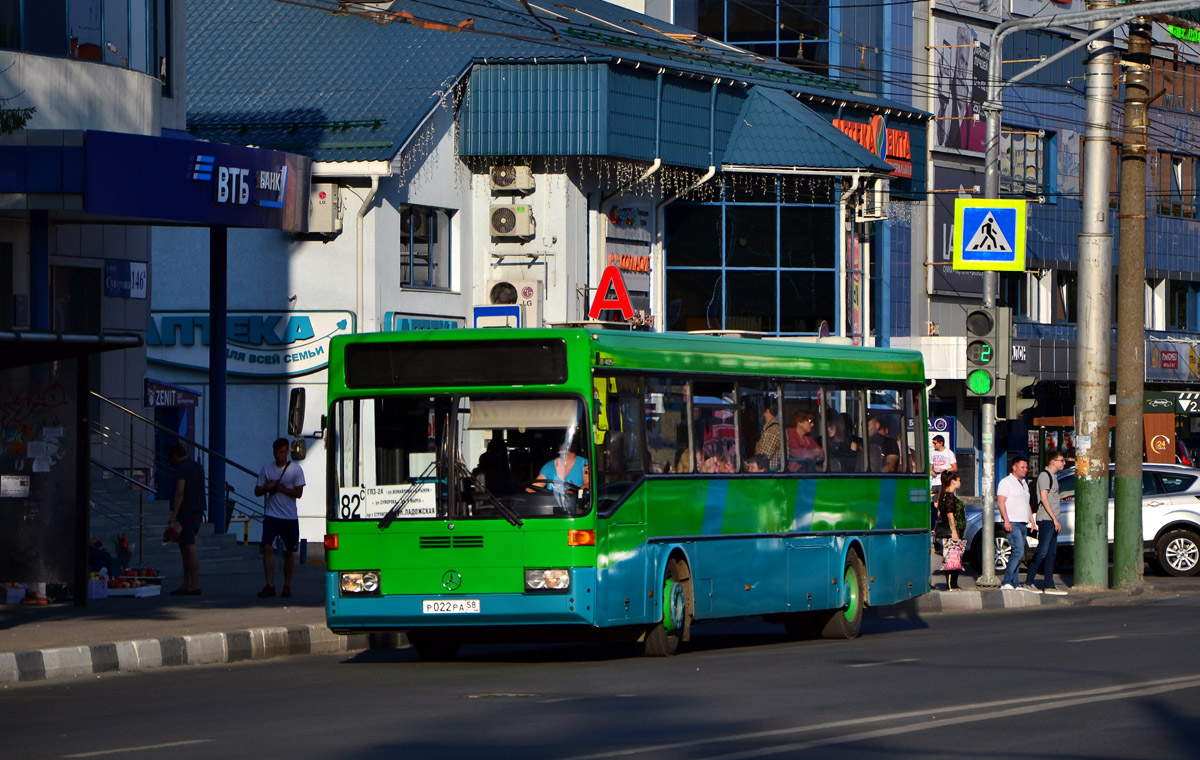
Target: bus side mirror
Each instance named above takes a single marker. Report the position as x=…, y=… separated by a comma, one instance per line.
x=295, y=424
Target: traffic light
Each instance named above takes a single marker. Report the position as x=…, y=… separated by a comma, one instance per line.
x=982, y=352
x=1016, y=404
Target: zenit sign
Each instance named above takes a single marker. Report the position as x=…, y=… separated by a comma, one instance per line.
x=264, y=344
x=195, y=182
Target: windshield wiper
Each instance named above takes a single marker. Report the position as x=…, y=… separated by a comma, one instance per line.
x=507, y=512
x=409, y=494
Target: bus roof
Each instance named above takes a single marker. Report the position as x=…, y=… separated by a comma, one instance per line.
x=680, y=352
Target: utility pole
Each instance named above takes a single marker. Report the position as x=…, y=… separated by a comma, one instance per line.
x=1094, y=322
x=1131, y=345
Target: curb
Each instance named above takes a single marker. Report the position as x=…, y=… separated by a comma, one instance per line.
x=978, y=600
x=198, y=649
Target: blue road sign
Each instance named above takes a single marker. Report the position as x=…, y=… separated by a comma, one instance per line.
x=989, y=234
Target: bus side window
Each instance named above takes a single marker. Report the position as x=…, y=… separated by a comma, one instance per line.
x=664, y=405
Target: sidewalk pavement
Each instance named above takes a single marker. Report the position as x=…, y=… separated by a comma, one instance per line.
x=229, y=623
x=226, y=623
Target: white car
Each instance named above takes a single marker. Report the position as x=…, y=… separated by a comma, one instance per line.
x=1170, y=519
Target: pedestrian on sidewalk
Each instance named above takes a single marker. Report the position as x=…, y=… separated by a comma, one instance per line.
x=952, y=518
x=187, y=511
x=35, y=593
x=1012, y=497
x=1048, y=525
x=282, y=482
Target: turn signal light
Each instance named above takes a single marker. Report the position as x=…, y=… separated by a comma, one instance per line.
x=330, y=541
x=580, y=538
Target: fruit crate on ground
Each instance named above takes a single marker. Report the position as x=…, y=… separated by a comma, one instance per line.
x=147, y=590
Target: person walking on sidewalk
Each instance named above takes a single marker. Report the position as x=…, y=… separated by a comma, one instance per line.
x=187, y=510
x=282, y=482
x=1048, y=525
x=1012, y=497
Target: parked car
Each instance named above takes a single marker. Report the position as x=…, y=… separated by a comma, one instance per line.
x=1170, y=520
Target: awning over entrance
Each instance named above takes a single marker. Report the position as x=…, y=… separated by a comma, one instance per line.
x=24, y=348
x=775, y=131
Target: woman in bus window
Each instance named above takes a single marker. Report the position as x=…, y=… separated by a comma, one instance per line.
x=803, y=451
x=843, y=450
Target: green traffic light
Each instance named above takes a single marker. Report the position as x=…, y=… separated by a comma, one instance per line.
x=980, y=382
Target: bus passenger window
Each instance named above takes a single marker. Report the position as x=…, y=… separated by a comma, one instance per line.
x=664, y=404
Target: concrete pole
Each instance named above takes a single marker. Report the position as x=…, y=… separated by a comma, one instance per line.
x=1131, y=346
x=1094, y=323
x=987, y=442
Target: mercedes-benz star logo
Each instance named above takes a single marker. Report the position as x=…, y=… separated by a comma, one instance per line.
x=451, y=580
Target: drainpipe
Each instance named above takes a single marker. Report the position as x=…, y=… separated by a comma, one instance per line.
x=845, y=254
x=358, y=251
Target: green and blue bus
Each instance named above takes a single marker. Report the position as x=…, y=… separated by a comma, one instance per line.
x=722, y=477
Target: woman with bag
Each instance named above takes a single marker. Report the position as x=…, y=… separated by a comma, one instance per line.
x=951, y=516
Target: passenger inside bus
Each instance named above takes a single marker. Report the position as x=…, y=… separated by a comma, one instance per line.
x=843, y=450
x=803, y=451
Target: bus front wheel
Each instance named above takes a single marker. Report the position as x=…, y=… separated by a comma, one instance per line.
x=846, y=623
x=662, y=640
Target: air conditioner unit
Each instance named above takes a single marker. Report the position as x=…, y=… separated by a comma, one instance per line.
x=873, y=204
x=512, y=178
x=524, y=294
x=415, y=223
x=512, y=220
x=324, y=209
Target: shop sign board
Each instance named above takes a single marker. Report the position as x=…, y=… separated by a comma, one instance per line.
x=204, y=183
x=259, y=343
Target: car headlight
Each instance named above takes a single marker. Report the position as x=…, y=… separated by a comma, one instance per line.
x=549, y=579
x=362, y=582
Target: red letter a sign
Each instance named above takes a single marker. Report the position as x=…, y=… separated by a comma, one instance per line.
x=611, y=279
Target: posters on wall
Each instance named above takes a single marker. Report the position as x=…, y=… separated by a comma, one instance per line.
x=38, y=417
x=1172, y=360
x=950, y=184
x=960, y=58
x=627, y=245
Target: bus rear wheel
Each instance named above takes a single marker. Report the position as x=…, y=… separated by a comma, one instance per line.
x=662, y=640
x=846, y=623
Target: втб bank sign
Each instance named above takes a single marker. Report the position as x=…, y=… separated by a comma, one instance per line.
x=258, y=343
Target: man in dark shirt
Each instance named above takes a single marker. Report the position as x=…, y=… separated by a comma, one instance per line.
x=885, y=452
x=188, y=511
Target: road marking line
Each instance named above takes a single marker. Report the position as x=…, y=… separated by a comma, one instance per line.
x=887, y=662
x=1017, y=705
x=934, y=724
x=98, y=753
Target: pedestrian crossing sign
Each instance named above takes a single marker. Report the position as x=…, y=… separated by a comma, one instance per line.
x=989, y=235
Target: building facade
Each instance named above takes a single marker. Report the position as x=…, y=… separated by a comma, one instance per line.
x=481, y=180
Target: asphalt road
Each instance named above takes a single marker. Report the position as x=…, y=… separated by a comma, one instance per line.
x=1062, y=682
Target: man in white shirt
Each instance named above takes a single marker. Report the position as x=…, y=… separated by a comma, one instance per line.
x=941, y=459
x=1012, y=498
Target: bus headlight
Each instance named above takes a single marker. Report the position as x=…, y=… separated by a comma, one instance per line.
x=362, y=583
x=550, y=579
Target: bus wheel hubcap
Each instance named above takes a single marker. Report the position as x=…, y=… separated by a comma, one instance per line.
x=673, y=606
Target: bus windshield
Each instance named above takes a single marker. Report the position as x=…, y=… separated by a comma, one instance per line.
x=461, y=457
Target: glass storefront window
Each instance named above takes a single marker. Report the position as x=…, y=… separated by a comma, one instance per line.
x=779, y=268
x=86, y=30
x=44, y=24
x=116, y=33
